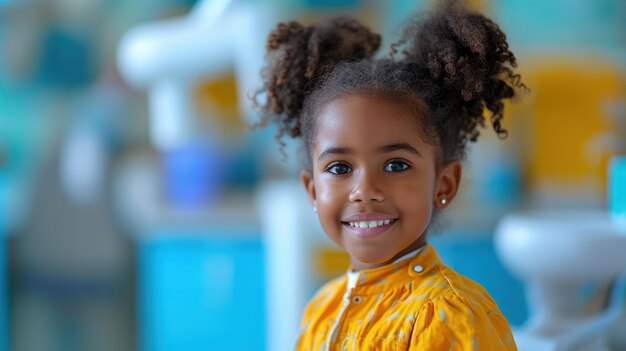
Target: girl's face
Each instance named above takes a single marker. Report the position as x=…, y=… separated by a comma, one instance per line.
x=374, y=180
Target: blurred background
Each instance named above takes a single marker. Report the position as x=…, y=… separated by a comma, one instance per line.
x=139, y=212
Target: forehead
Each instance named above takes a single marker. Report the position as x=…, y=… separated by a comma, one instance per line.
x=367, y=122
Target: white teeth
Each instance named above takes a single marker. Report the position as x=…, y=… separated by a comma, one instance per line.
x=370, y=224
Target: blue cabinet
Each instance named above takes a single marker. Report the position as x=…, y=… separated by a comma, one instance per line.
x=202, y=290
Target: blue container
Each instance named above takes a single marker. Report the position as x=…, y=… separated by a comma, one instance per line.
x=193, y=174
x=67, y=59
x=202, y=291
x=617, y=189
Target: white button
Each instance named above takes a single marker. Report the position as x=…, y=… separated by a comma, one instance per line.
x=418, y=268
x=357, y=299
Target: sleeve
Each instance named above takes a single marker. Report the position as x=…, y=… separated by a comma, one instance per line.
x=454, y=323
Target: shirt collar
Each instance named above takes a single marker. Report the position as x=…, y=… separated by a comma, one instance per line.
x=417, y=262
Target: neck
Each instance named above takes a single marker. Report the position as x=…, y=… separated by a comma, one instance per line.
x=359, y=266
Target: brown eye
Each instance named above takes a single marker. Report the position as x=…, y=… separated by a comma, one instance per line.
x=396, y=166
x=339, y=168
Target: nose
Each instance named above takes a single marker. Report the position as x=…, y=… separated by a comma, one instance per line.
x=366, y=189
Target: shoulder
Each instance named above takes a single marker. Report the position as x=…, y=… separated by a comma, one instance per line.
x=432, y=280
x=442, y=284
x=458, y=311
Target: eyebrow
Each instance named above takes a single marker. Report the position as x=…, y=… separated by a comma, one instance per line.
x=384, y=149
x=334, y=151
x=400, y=147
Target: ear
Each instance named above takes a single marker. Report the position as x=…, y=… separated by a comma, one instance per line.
x=309, y=186
x=448, y=182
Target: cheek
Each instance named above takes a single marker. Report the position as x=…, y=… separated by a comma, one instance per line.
x=328, y=193
x=329, y=209
x=416, y=209
x=329, y=201
x=416, y=197
x=417, y=203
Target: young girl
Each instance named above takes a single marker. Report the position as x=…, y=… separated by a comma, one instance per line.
x=384, y=140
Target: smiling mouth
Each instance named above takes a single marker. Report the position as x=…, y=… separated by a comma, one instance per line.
x=370, y=224
x=368, y=229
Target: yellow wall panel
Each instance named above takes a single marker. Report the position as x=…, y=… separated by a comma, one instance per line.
x=570, y=129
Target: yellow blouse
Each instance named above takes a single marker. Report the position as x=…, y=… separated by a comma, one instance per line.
x=418, y=304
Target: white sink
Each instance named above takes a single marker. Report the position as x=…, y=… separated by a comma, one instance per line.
x=563, y=245
x=557, y=253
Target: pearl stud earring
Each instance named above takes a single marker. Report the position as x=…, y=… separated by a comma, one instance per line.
x=443, y=201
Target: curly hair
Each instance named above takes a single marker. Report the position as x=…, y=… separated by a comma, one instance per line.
x=449, y=65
